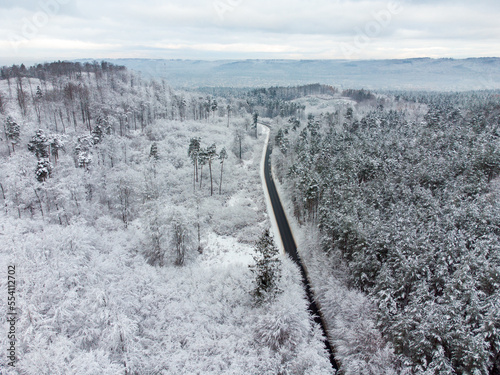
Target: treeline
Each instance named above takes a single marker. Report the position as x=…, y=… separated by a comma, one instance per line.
x=410, y=206
x=278, y=101
x=67, y=94
x=294, y=92
x=358, y=95
x=57, y=69
x=272, y=101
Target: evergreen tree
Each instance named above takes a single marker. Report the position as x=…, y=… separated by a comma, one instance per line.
x=38, y=94
x=349, y=114
x=153, y=152
x=193, y=153
x=222, y=157
x=282, y=142
x=279, y=137
x=12, y=132
x=43, y=170
x=254, y=124
x=56, y=144
x=202, y=160
x=83, y=152
x=180, y=241
x=39, y=145
x=214, y=106
x=295, y=123
x=267, y=270
x=211, y=153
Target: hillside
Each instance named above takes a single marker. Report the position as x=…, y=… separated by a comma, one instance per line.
x=394, y=202
x=125, y=260
x=408, y=74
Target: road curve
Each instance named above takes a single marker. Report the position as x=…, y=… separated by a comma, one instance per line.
x=291, y=249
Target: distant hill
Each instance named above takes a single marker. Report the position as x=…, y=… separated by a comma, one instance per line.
x=414, y=74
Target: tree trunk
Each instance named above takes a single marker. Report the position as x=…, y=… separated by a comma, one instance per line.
x=4, y=200
x=200, y=249
x=196, y=166
x=55, y=121
x=6, y=137
x=74, y=119
x=211, y=181
x=40, y=203
x=221, y=169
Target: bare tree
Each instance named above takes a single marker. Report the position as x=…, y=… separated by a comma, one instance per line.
x=180, y=239
x=21, y=96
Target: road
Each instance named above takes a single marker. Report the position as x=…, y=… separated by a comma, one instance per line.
x=291, y=249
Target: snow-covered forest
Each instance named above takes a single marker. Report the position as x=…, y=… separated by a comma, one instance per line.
x=135, y=218
x=397, y=198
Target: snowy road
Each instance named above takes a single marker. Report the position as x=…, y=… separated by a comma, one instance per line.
x=291, y=248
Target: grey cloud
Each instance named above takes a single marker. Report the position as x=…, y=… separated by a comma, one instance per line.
x=260, y=28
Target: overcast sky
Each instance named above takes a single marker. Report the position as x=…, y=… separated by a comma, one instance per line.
x=41, y=30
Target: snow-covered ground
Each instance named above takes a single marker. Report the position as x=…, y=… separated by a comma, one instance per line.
x=89, y=303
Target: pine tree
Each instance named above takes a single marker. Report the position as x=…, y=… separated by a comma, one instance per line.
x=211, y=153
x=279, y=137
x=222, y=157
x=43, y=170
x=153, y=152
x=193, y=153
x=12, y=132
x=267, y=270
x=202, y=160
x=214, y=106
x=56, y=143
x=295, y=123
x=254, y=124
x=349, y=114
x=39, y=145
x=282, y=142
x=37, y=100
x=38, y=94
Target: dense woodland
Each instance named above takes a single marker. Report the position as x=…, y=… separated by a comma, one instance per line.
x=135, y=217
x=404, y=190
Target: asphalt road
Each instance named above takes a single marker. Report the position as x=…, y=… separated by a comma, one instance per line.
x=291, y=249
